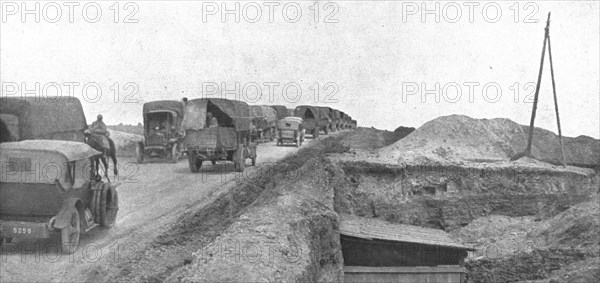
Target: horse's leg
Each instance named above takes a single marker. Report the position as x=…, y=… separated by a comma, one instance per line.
x=105, y=163
x=113, y=155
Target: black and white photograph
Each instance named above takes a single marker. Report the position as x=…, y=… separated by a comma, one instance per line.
x=300, y=141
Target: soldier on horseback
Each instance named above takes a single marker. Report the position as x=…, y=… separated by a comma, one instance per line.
x=100, y=141
x=99, y=131
x=98, y=126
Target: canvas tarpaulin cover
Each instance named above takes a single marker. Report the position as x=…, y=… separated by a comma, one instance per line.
x=301, y=111
x=281, y=111
x=324, y=112
x=40, y=118
x=261, y=111
x=336, y=114
x=194, y=117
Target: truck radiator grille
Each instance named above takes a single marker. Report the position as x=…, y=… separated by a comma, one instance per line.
x=157, y=139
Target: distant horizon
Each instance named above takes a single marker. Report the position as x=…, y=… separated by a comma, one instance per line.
x=415, y=127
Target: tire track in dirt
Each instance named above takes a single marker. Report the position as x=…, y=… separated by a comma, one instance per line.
x=151, y=200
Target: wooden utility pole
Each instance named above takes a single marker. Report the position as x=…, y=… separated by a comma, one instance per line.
x=562, y=147
x=537, y=91
x=527, y=151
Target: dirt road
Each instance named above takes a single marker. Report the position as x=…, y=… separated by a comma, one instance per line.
x=151, y=197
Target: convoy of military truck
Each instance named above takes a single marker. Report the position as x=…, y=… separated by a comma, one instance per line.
x=41, y=132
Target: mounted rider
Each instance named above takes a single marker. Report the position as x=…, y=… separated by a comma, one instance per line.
x=99, y=131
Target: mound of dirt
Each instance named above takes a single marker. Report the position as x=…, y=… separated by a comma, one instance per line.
x=456, y=138
x=290, y=234
x=563, y=247
x=125, y=143
x=403, y=131
x=371, y=138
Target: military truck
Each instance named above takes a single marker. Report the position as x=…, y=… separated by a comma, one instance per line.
x=228, y=139
x=163, y=136
x=311, y=117
x=51, y=118
x=281, y=111
x=325, y=119
x=264, y=122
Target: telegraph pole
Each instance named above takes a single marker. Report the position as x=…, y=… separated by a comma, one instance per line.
x=527, y=151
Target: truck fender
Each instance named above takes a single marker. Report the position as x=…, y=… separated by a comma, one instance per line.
x=64, y=216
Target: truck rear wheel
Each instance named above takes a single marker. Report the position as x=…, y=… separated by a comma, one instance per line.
x=70, y=234
x=193, y=162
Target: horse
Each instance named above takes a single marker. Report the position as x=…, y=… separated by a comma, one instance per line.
x=96, y=144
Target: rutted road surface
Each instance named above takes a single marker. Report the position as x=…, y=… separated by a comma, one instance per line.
x=152, y=196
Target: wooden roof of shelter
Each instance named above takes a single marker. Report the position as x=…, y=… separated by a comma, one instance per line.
x=371, y=228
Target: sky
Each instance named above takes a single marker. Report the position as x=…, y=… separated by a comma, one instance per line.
x=385, y=63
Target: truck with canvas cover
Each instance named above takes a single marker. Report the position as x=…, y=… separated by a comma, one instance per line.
x=353, y=124
x=336, y=119
x=163, y=136
x=264, y=121
x=328, y=113
x=290, y=130
x=291, y=112
x=343, y=120
x=217, y=129
x=311, y=116
x=32, y=118
x=50, y=186
x=348, y=121
x=281, y=111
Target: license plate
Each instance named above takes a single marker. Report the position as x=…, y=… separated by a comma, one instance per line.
x=22, y=230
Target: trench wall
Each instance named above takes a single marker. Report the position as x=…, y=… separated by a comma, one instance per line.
x=452, y=196
x=290, y=234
